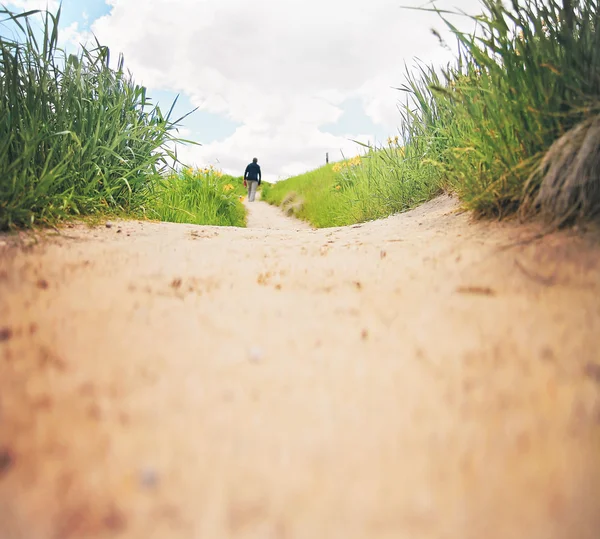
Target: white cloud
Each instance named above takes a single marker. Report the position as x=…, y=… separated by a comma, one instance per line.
x=290, y=151
x=282, y=69
x=72, y=37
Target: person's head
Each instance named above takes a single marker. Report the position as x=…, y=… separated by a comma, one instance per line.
x=255, y=160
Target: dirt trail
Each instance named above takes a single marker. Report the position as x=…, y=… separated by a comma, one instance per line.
x=262, y=215
x=406, y=378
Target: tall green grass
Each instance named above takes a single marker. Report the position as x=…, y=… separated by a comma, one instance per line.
x=528, y=75
x=512, y=125
x=201, y=197
x=389, y=180
x=310, y=197
x=76, y=136
x=364, y=188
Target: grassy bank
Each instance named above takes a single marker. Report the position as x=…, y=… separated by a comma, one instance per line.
x=374, y=185
x=309, y=196
x=79, y=138
x=512, y=126
x=505, y=115
x=199, y=196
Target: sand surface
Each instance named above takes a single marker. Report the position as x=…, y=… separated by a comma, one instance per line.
x=405, y=378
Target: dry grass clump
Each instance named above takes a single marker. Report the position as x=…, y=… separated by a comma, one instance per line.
x=569, y=177
x=292, y=203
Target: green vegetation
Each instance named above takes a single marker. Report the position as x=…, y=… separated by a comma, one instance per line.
x=513, y=125
x=201, y=197
x=309, y=196
x=78, y=138
x=363, y=188
x=531, y=75
x=264, y=186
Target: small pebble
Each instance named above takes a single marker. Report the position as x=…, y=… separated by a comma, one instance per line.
x=592, y=371
x=256, y=355
x=176, y=283
x=43, y=284
x=6, y=460
x=115, y=520
x=5, y=334
x=108, y=225
x=148, y=478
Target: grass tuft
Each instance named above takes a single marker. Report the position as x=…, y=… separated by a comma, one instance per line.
x=569, y=188
x=527, y=76
x=77, y=137
x=199, y=196
x=292, y=204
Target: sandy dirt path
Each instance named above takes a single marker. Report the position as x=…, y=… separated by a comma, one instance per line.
x=406, y=378
x=262, y=215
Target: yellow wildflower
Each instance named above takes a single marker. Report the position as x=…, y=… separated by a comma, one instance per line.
x=355, y=162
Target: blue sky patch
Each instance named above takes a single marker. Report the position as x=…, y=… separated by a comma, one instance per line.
x=205, y=127
x=84, y=12
x=355, y=121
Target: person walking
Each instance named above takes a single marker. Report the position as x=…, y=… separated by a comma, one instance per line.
x=252, y=178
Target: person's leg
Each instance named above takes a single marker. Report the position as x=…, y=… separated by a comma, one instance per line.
x=253, y=186
x=249, y=187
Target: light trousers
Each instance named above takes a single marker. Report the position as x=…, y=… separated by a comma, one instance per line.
x=252, y=187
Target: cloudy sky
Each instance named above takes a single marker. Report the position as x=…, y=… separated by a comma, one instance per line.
x=283, y=80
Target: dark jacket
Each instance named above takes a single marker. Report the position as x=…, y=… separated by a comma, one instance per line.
x=252, y=172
